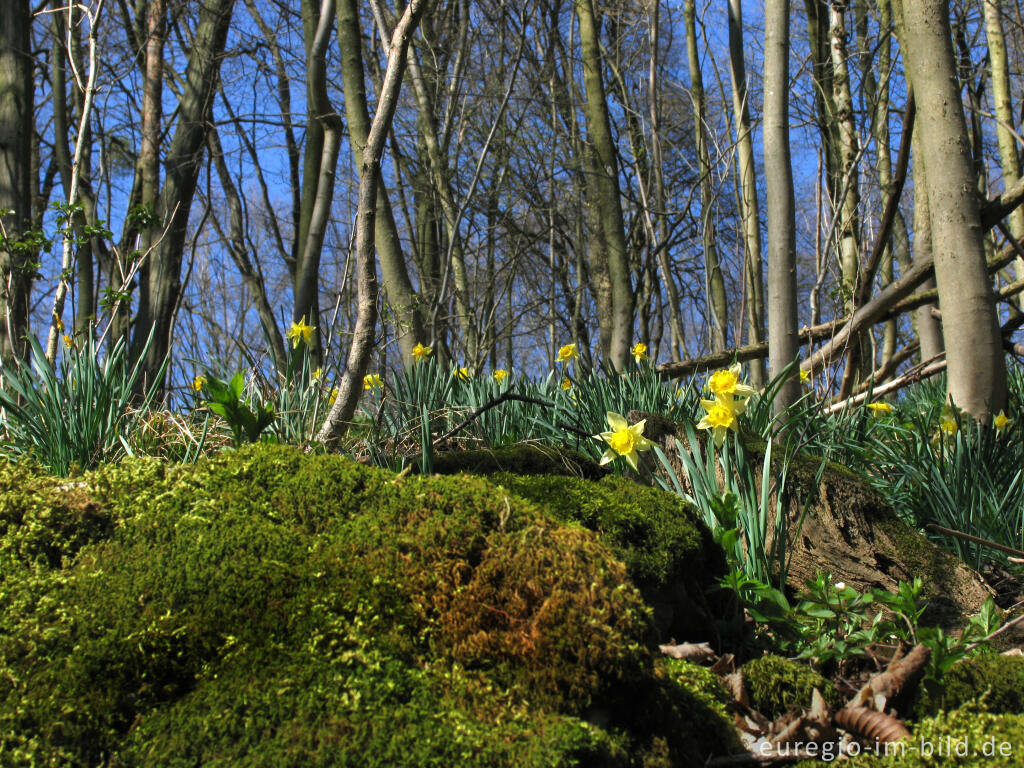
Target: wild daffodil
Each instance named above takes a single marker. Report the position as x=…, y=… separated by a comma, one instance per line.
x=877, y=409
x=373, y=381
x=300, y=332
x=623, y=440
x=1001, y=421
x=318, y=374
x=420, y=352
x=566, y=384
x=721, y=416
x=639, y=352
x=462, y=374
x=333, y=396
x=726, y=383
x=199, y=383
x=948, y=424
x=805, y=376
x=567, y=353
x=500, y=374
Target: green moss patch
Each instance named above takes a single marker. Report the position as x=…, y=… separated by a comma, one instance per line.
x=776, y=684
x=997, y=680
x=270, y=608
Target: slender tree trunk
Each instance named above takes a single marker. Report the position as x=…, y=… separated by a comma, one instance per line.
x=974, y=352
x=1005, y=121
x=603, y=188
x=717, y=301
x=351, y=386
x=929, y=329
x=16, y=105
x=409, y=327
x=748, y=190
x=182, y=164
x=782, y=297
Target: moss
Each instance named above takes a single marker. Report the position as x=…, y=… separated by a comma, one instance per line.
x=968, y=739
x=270, y=608
x=522, y=459
x=998, y=680
x=668, y=551
x=776, y=684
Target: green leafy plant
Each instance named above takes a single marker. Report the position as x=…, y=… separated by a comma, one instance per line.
x=78, y=414
x=246, y=420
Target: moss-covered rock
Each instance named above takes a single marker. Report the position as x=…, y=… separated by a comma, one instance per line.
x=776, y=684
x=524, y=459
x=962, y=738
x=668, y=551
x=998, y=680
x=271, y=608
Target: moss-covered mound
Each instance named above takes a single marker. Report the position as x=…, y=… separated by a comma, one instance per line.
x=775, y=684
x=962, y=738
x=999, y=680
x=269, y=608
x=524, y=459
x=668, y=551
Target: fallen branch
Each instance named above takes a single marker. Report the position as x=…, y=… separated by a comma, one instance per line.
x=921, y=371
x=974, y=539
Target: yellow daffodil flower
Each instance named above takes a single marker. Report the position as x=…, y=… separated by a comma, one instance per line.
x=333, y=397
x=567, y=353
x=948, y=425
x=721, y=416
x=373, y=381
x=726, y=383
x=624, y=440
x=877, y=409
x=199, y=383
x=639, y=352
x=805, y=376
x=1001, y=421
x=300, y=331
x=462, y=374
x=420, y=352
x=60, y=325
x=500, y=374
x=69, y=341
x=318, y=374
x=566, y=384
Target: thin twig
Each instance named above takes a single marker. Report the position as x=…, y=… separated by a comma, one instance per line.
x=974, y=539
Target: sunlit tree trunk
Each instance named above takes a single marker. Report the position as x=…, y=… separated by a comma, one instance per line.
x=927, y=325
x=717, y=301
x=974, y=352
x=400, y=290
x=748, y=190
x=782, y=297
x=182, y=164
x=603, y=188
x=1005, y=121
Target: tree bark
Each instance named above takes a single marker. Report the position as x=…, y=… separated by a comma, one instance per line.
x=747, y=170
x=928, y=327
x=603, y=189
x=714, y=282
x=351, y=385
x=974, y=351
x=782, y=297
x=182, y=165
x=409, y=327
x=16, y=106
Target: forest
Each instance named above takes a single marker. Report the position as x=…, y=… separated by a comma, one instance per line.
x=483, y=383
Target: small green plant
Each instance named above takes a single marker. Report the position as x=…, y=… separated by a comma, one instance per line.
x=77, y=414
x=246, y=420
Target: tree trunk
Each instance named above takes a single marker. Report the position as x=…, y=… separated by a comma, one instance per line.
x=401, y=293
x=714, y=283
x=16, y=105
x=1003, y=103
x=782, y=297
x=351, y=386
x=603, y=189
x=182, y=165
x=974, y=351
x=928, y=327
x=748, y=190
